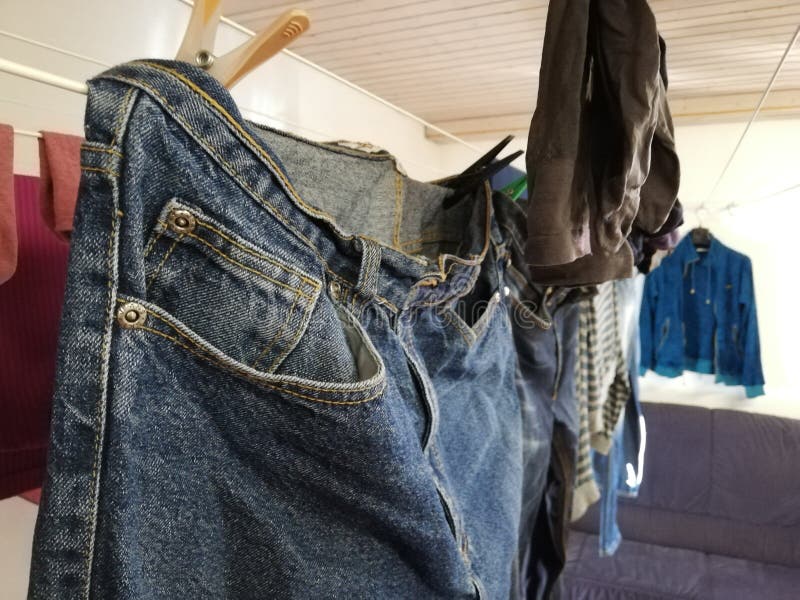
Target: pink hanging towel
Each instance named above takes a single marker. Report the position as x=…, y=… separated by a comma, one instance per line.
x=8, y=219
x=60, y=170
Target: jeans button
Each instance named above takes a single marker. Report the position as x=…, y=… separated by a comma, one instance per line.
x=334, y=289
x=181, y=221
x=131, y=315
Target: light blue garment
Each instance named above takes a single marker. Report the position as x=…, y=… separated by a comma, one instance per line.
x=621, y=470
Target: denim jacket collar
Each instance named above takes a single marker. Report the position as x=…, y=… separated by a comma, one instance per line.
x=686, y=252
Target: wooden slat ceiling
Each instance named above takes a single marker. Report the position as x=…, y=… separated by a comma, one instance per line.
x=472, y=67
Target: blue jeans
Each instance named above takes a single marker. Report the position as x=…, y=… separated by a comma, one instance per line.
x=284, y=371
x=545, y=326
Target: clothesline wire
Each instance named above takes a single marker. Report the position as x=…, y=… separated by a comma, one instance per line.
x=753, y=116
x=762, y=198
x=732, y=205
x=52, y=79
x=296, y=57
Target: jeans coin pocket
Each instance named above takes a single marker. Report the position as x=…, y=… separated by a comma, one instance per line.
x=251, y=305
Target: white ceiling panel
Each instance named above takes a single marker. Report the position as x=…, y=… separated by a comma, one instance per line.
x=456, y=63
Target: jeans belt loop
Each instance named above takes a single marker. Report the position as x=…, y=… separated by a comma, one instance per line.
x=367, y=285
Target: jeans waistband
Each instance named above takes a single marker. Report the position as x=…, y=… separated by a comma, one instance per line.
x=205, y=110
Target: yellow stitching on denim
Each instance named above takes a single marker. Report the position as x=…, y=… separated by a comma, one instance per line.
x=245, y=267
x=256, y=146
x=153, y=242
x=459, y=326
x=107, y=150
x=294, y=384
x=121, y=115
x=98, y=170
x=96, y=445
x=315, y=284
x=432, y=236
x=398, y=209
x=274, y=212
x=418, y=247
x=255, y=379
x=274, y=341
x=163, y=260
x=215, y=105
x=300, y=330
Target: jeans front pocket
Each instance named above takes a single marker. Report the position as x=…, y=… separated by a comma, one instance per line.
x=471, y=317
x=251, y=305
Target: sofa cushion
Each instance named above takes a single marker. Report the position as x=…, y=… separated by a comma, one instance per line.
x=756, y=475
x=739, y=579
x=716, y=481
x=640, y=571
x=636, y=572
x=677, y=467
x=711, y=534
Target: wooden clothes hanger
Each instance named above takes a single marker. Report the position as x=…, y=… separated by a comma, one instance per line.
x=198, y=42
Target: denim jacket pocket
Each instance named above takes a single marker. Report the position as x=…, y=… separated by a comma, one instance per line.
x=249, y=304
x=664, y=335
x=736, y=341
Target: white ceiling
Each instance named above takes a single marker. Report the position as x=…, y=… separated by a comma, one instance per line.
x=472, y=67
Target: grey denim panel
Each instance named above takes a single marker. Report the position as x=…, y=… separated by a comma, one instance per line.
x=255, y=399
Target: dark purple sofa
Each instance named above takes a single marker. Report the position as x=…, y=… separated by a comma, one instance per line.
x=717, y=517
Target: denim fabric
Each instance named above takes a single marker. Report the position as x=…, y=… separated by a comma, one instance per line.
x=284, y=370
x=545, y=322
x=633, y=436
x=699, y=314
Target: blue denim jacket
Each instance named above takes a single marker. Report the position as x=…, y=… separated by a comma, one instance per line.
x=699, y=314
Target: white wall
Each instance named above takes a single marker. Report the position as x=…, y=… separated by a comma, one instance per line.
x=767, y=230
x=284, y=92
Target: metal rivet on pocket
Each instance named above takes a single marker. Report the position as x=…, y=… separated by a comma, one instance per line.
x=181, y=221
x=204, y=59
x=506, y=290
x=334, y=289
x=131, y=315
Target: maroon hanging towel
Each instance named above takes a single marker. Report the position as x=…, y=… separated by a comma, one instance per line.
x=8, y=220
x=30, y=308
x=60, y=170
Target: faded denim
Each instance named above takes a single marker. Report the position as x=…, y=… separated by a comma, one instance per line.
x=285, y=371
x=545, y=326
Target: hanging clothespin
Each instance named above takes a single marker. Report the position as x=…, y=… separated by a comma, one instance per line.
x=198, y=42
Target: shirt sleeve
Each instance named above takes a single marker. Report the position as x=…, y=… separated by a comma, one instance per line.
x=647, y=322
x=752, y=374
